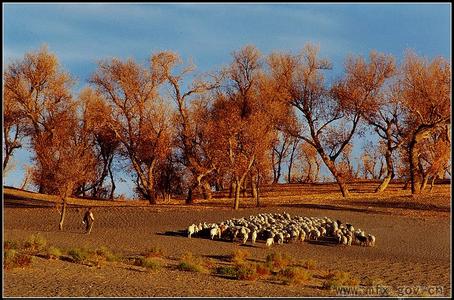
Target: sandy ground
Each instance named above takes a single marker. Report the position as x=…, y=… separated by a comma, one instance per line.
x=410, y=251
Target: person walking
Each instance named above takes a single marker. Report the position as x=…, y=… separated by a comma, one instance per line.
x=88, y=220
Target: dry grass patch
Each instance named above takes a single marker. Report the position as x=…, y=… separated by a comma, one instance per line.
x=294, y=275
x=35, y=243
x=335, y=279
x=14, y=259
x=192, y=263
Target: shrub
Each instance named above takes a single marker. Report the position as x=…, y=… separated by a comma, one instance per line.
x=246, y=272
x=338, y=278
x=309, y=264
x=105, y=253
x=277, y=261
x=372, y=281
x=35, y=243
x=239, y=256
x=153, y=251
x=192, y=263
x=14, y=259
x=8, y=245
x=149, y=263
x=53, y=252
x=262, y=270
x=78, y=254
x=294, y=275
x=240, y=271
x=230, y=271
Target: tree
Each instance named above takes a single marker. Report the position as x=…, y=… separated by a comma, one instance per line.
x=138, y=118
x=241, y=125
x=280, y=149
x=13, y=129
x=328, y=126
x=426, y=93
x=360, y=91
x=97, y=116
x=64, y=157
x=434, y=157
x=195, y=156
x=36, y=91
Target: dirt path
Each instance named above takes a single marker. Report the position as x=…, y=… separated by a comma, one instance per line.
x=409, y=251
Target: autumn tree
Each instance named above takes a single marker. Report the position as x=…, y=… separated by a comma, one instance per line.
x=139, y=118
x=97, y=114
x=13, y=129
x=240, y=127
x=36, y=91
x=372, y=160
x=361, y=91
x=309, y=164
x=64, y=157
x=319, y=108
x=434, y=157
x=188, y=135
x=281, y=146
x=426, y=93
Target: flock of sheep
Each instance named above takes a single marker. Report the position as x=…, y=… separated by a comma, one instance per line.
x=282, y=228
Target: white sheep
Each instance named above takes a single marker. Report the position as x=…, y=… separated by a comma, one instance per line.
x=370, y=240
x=269, y=241
x=191, y=230
x=214, y=231
x=254, y=236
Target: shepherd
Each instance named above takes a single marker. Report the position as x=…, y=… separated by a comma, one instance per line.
x=88, y=220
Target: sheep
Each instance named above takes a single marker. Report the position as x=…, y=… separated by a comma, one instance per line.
x=302, y=236
x=370, y=240
x=245, y=237
x=269, y=241
x=191, y=230
x=254, y=236
x=214, y=231
x=362, y=240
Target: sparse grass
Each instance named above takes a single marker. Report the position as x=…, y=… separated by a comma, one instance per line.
x=152, y=263
x=309, y=264
x=243, y=271
x=7, y=245
x=79, y=254
x=338, y=278
x=153, y=251
x=372, y=281
x=105, y=253
x=262, y=270
x=192, y=263
x=294, y=275
x=239, y=256
x=15, y=259
x=35, y=243
x=277, y=261
x=53, y=252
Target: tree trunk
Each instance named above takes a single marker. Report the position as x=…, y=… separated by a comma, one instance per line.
x=290, y=163
x=389, y=173
x=424, y=183
x=232, y=188
x=62, y=214
x=206, y=191
x=254, y=189
x=189, y=199
x=112, y=181
x=340, y=181
x=236, y=203
x=432, y=183
x=414, y=169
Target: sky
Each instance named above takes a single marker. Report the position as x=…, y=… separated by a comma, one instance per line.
x=83, y=34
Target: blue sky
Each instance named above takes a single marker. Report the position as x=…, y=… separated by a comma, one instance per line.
x=82, y=34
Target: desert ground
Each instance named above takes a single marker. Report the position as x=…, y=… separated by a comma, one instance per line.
x=413, y=247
